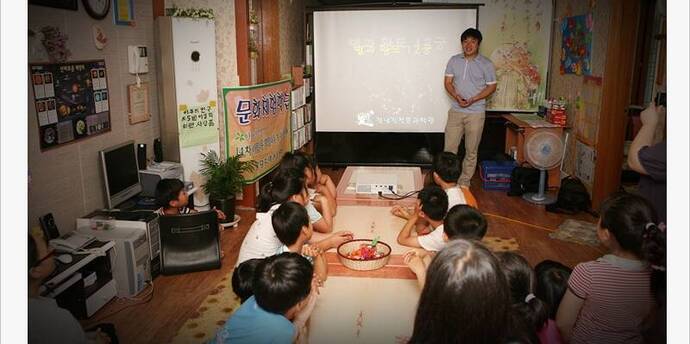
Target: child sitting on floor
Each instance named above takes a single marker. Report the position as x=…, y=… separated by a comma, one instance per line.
x=530, y=312
x=320, y=205
x=445, y=173
x=552, y=282
x=461, y=222
x=465, y=299
x=320, y=187
x=242, y=279
x=291, y=224
x=608, y=299
x=261, y=241
x=285, y=293
x=431, y=206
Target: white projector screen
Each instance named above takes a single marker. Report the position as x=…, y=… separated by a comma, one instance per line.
x=382, y=70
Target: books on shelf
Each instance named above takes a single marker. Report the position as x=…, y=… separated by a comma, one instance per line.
x=307, y=86
x=298, y=97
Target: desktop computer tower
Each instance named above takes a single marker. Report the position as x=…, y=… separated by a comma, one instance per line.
x=131, y=263
x=145, y=221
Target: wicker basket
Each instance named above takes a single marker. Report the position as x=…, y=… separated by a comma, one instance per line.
x=363, y=265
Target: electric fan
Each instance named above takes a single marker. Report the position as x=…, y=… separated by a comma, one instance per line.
x=543, y=150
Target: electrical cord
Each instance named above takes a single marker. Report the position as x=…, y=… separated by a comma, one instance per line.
x=398, y=197
x=139, y=301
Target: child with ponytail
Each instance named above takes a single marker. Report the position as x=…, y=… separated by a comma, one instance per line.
x=608, y=300
x=531, y=314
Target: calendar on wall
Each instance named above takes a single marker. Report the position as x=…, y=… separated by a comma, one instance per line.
x=71, y=101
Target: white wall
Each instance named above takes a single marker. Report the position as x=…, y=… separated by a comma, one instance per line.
x=67, y=180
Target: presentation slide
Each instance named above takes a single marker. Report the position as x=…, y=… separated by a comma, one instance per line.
x=382, y=70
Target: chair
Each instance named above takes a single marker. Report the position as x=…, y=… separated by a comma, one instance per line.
x=189, y=243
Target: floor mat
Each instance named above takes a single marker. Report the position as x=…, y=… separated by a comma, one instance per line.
x=499, y=244
x=210, y=316
x=579, y=232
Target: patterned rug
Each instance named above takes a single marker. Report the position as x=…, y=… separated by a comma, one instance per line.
x=498, y=244
x=210, y=316
x=222, y=302
x=579, y=232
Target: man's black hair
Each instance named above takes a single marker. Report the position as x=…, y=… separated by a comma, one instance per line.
x=471, y=32
x=434, y=202
x=168, y=190
x=243, y=277
x=447, y=166
x=282, y=281
x=464, y=222
x=288, y=221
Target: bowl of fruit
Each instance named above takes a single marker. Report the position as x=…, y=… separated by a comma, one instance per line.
x=364, y=254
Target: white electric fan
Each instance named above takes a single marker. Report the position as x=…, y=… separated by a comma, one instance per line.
x=543, y=150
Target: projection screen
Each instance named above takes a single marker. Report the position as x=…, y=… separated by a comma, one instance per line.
x=382, y=70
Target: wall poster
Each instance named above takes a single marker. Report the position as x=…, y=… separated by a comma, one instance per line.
x=71, y=101
x=258, y=124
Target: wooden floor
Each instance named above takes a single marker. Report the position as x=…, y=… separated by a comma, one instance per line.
x=176, y=298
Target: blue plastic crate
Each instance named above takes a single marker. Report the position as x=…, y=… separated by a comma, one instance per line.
x=496, y=174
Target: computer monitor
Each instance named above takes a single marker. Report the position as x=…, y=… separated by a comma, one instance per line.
x=120, y=173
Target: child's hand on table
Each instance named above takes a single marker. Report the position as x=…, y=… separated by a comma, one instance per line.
x=401, y=212
x=338, y=238
x=414, y=262
x=311, y=251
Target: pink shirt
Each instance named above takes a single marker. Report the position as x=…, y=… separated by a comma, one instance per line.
x=549, y=333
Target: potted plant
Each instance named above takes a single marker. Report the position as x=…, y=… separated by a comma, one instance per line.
x=223, y=180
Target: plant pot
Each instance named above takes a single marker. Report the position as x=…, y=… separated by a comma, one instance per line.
x=226, y=205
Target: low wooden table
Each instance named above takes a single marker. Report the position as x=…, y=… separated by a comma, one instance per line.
x=376, y=306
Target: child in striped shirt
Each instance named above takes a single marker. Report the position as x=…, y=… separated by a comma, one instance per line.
x=608, y=300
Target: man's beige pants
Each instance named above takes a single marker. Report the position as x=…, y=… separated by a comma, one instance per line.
x=471, y=126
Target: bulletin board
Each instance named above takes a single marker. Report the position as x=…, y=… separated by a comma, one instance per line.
x=71, y=101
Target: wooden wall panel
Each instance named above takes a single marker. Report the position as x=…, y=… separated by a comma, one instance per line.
x=270, y=41
x=616, y=96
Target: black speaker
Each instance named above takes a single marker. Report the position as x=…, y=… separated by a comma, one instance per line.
x=141, y=155
x=50, y=230
x=157, y=150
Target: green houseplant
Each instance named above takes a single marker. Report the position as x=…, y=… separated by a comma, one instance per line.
x=224, y=179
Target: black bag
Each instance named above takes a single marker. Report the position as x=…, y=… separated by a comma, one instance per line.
x=572, y=197
x=525, y=179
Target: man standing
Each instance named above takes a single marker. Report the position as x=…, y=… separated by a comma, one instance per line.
x=469, y=79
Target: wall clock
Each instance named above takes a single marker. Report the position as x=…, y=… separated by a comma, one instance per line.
x=97, y=9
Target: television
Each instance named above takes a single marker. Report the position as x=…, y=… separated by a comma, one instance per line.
x=120, y=173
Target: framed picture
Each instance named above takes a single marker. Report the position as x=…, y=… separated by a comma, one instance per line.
x=63, y=4
x=124, y=12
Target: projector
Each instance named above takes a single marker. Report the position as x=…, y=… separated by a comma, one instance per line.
x=373, y=183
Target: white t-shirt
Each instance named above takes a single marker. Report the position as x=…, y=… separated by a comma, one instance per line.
x=261, y=240
x=455, y=196
x=314, y=215
x=49, y=323
x=432, y=241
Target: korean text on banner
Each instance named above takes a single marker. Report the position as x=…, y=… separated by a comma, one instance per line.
x=197, y=124
x=258, y=124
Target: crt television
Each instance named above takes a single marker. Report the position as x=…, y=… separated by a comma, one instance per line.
x=120, y=173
